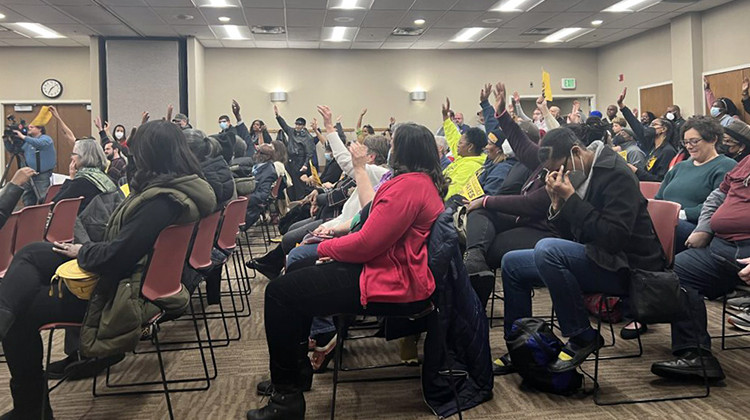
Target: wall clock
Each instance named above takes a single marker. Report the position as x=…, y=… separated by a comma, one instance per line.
x=52, y=88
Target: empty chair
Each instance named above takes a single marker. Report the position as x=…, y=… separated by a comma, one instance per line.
x=649, y=189
x=60, y=228
x=7, y=237
x=32, y=221
x=52, y=192
x=665, y=216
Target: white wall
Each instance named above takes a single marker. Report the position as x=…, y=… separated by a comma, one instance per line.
x=379, y=80
x=24, y=70
x=725, y=34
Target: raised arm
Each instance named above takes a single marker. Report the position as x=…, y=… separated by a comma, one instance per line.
x=359, y=160
x=549, y=120
x=527, y=152
x=518, y=108
x=452, y=135
x=67, y=133
x=359, y=120
x=340, y=152
x=282, y=123
x=746, y=94
x=710, y=97
x=488, y=112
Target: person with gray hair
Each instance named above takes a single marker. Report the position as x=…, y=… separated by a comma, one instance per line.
x=87, y=178
x=443, y=149
x=215, y=168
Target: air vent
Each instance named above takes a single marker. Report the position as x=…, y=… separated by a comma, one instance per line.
x=268, y=30
x=407, y=31
x=539, y=31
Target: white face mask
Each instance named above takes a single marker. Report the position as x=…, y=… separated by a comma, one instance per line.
x=670, y=116
x=507, y=149
x=119, y=135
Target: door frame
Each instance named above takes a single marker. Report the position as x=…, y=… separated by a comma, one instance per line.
x=652, y=85
x=4, y=102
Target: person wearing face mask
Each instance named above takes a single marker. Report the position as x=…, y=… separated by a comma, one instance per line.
x=225, y=125
x=654, y=140
x=624, y=144
x=117, y=164
x=674, y=115
x=737, y=140
x=722, y=109
x=606, y=230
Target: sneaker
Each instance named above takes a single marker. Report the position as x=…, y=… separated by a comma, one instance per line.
x=741, y=303
x=740, y=321
x=476, y=263
x=75, y=367
x=56, y=370
x=503, y=366
x=573, y=354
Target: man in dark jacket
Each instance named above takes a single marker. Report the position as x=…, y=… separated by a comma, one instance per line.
x=265, y=176
x=300, y=148
x=117, y=164
x=597, y=205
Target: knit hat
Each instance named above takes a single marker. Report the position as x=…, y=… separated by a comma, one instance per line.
x=496, y=137
x=739, y=131
x=630, y=132
x=595, y=114
x=180, y=117
x=300, y=121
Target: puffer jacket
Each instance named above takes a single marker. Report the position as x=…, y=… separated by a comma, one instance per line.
x=220, y=178
x=116, y=310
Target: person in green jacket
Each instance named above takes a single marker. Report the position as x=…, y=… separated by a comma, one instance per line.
x=467, y=152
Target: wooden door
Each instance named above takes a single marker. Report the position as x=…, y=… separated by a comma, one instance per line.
x=76, y=116
x=729, y=85
x=656, y=99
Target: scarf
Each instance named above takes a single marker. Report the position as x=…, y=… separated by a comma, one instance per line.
x=95, y=176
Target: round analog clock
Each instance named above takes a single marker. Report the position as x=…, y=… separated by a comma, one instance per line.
x=52, y=88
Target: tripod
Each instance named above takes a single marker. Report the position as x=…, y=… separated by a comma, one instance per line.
x=21, y=162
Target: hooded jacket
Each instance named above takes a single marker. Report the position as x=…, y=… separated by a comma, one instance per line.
x=220, y=178
x=116, y=310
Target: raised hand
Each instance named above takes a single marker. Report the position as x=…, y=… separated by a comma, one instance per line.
x=338, y=119
x=144, y=117
x=22, y=176
x=98, y=123
x=364, y=111
x=359, y=154
x=541, y=103
x=327, y=115
x=516, y=97
x=106, y=126
x=621, y=98
x=170, y=108
x=500, y=97
x=445, y=108
x=314, y=125
x=54, y=112
x=745, y=88
x=236, y=110
x=706, y=85
x=275, y=110
x=484, y=94
x=393, y=120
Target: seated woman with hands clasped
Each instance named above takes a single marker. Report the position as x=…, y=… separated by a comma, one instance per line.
x=384, y=262
x=167, y=188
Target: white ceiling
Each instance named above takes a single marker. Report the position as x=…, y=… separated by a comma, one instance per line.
x=304, y=20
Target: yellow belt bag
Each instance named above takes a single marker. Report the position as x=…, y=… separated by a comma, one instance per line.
x=80, y=282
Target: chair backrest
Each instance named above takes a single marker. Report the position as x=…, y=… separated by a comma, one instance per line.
x=203, y=243
x=32, y=221
x=665, y=215
x=233, y=218
x=275, y=190
x=60, y=228
x=164, y=271
x=7, y=237
x=649, y=189
x=52, y=192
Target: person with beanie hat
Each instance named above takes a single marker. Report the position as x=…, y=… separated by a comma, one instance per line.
x=737, y=140
x=467, y=150
x=498, y=163
x=624, y=144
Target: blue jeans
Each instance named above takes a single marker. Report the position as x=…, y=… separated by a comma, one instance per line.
x=684, y=229
x=563, y=266
x=42, y=182
x=306, y=255
x=710, y=272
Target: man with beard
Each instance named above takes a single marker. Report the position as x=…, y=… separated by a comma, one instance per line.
x=117, y=163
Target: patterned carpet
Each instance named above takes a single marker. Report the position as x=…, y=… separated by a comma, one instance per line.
x=244, y=363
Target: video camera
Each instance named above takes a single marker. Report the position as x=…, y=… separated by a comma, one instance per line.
x=13, y=143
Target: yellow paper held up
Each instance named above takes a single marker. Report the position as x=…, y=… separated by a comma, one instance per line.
x=624, y=154
x=473, y=189
x=546, y=86
x=42, y=118
x=315, y=176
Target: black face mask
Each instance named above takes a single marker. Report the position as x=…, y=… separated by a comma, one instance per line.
x=577, y=176
x=619, y=140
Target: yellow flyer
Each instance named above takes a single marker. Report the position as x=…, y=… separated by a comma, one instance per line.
x=547, y=86
x=315, y=176
x=472, y=190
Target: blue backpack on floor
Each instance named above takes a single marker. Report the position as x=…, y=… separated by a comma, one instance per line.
x=533, y=347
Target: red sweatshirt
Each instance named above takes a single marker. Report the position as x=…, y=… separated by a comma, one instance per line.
x=392, y=244
x=731, y=220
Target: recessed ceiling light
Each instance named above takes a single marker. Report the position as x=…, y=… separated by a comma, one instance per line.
x=217, y=3
x=419, y=21
x=401, y=31
x=339, y=33
x=515, y=5
x=33, y=30
x=631, y=5
x=472, y=34
x=2, y=16
x=565, y=35
x=492, y=20
x=232, y=31
x=350, y=4
x=224, y=19
x=184, y=17
x=344, y=19
x=597, y=22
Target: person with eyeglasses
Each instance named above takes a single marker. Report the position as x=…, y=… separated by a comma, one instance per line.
x=737, y=140
x=653, y=140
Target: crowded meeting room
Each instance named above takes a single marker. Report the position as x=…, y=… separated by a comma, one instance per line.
x=374, y=209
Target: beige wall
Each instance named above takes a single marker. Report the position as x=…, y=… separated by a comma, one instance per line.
x=196, y=81
x=725, y=31
x=643, y=60
x=378, y=80
x=24, y=70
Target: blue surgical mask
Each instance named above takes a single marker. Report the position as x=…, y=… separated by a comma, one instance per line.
x=715, y=111
x=223, y=125
x=329, y=156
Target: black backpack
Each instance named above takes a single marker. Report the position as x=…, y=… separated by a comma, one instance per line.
x=533, y=347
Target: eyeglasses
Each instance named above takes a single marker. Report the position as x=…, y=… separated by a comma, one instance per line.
x=692, y=142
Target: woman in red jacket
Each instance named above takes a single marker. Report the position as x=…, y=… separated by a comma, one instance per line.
x=384, y=262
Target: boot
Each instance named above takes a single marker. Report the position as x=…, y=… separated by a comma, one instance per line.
x=304, y=380
x=271, y=264
x=281, y=406
x=26, y=401
x=6, y=321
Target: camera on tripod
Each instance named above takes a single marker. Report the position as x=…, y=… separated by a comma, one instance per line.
x=13, y=143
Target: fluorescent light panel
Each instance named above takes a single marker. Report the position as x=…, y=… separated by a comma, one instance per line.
x=33, y=30
x=339, y=33
x=350, y=4
x=472, y=34
x=629, y=6
x=515, y=5
x=565, y=35
x=217, y=3
x=232, y=32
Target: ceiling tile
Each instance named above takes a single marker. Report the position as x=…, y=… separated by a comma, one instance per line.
x=335, y=45
x=457, y=19
x=396, y=45
x=10, y=35
x=297, y=17
x=492, y=19
x=194, y=30
x=373, y=34
x=486, y=45
x=554, y=5
x=382, y=18
x=211, y=43
x=366, y=45
x=592, y=5
x=439, y=34
x=429, y=16
x=268, y=4
x=236, y=16
x=265, y=17
x=304, y=44
x=344, y=18
x=122, y=3
x=270, y=44
x=598, y=34
x=502, y=35
x=24, y=42
x=169, y=14
x=474, y=5
x=270, y=37
x=69, y=2
x=156, y=30
x=631, y=19
x=529, y=20
x=390, y=5
x=90, y=15
x=138, y=15
x=426, y=45
x=303, y=34
x=81, y=39
x=40, y=14
x=113, y=30
x=11, y=16
x=453, y=46
x=228, y=43
x=564, y=20
x=61, y=42
x=515, y=44
x=306, y=4
x=166, y=3
x=433, y=4
x=34, y=2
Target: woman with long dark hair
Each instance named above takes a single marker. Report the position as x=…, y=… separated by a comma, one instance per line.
x=167, y=188
x=384, y=262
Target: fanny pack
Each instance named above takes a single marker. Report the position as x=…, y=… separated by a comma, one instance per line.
x=80, y=282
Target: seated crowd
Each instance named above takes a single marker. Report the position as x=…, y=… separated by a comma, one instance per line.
x=550, y=200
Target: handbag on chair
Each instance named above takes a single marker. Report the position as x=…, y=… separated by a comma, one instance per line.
x=656, y=296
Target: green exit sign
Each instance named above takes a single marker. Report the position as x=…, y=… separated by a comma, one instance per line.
x=568, y=83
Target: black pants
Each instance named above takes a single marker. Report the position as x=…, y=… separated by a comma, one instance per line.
x=25, y=290
x=295, y=298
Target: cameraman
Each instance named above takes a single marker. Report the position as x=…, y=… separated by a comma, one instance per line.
x=37, y=140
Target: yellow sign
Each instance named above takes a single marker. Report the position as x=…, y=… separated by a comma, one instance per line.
x=315, y=176
x=650, y=163
x=624, y=154
x=42, y=118
x=472, y=190
x=546, y=86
